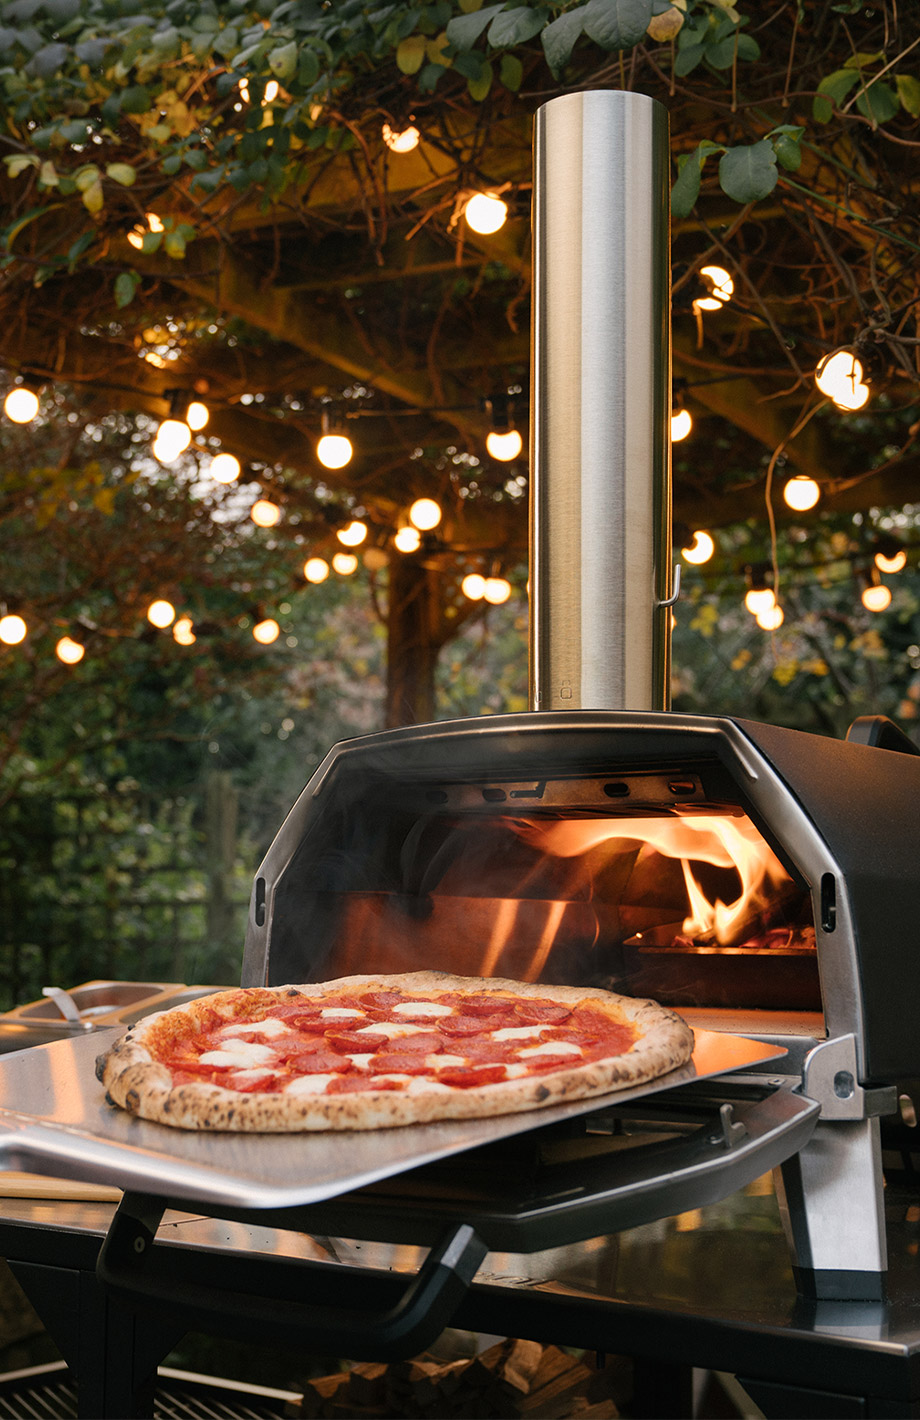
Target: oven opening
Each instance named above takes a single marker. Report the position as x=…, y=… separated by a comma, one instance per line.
x=647, y=883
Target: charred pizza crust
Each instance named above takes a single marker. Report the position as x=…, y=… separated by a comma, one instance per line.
x=136, y=1081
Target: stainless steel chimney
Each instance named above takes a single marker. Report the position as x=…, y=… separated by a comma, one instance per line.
x=600, y=405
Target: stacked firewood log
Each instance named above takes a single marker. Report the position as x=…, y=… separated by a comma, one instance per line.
x=512, y=1379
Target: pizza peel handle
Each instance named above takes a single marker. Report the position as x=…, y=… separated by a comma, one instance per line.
x=147, y=1276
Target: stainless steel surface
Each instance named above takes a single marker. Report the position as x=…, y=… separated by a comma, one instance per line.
x=600, y=405
x=54, y=1120
x=832, y=1198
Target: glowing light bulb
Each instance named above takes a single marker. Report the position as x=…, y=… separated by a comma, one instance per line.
x=197, y=415
x=172, y=439
x=334, y=451
x=161, y=613
x=345, y=563
x=316, y=570
x=69, y=651
x=264, y=513
x=681, y=424
x=759, y=599
x=353, y=535
x=473, y=586
x=136, y=237
x=771, y=618
x=183, y=632
x=496, y=590
x=154, y=222
x=722, y=286
x=701, y=548
x=267, y=631
x=272, y=90
x=21, y=405
x=402, y=141
x=12, y=629
x=504, y=445
x=876, y=597
x=485, y=213
x=225, y=468
x=407, y=540
x=801, y=493
x=425, y=514
x=840, y=377
x=897, y=563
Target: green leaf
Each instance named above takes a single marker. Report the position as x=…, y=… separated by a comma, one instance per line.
x=122, y=173
x=511, y=72
x=308, y=70
x=788, y=152
x=410, y=54
x=174, y=244
x=19, y=163
x=82, y=244
x=515, y=27
x=560, y=37
x=135, y=99
x=879, y=102
x=686, y=188
x=748, y=173
x=283, y=61
x=94, y=197
x=909, y=93
x=617, y=24
x=126, y=284
x=832, y=91
x=478, y=88
x=464, y=30
x=151, y=242
x=85, y=177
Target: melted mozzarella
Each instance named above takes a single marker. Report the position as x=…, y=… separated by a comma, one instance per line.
x=244, y=1052
x=553, y=1047
x=268, y=1028
x=514, y=1072
x=260, y=1073
x=444, y=1062
x=400, y=1079
x=341, y=1013
x=519, y=1032
x=419, y=1086
x=309, y=1085
x=360, y=1062
x=421, y=1008
x=391, y=1029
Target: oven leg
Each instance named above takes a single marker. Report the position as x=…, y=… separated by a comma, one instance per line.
x=112, y=1353
x=831, y=1197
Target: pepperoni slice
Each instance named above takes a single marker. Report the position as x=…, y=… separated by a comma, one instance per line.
x=351, y=1084
x=350, y=1040
x=423, y=1042
x=462, y=1025
x=492, y=1052
x=380, y=1000
x=302, y=1046
x=538, y=1012
x=482, y=1005
x=263, y=1084
x=399, y=1064
x=464, y=1078
x=317, y=1062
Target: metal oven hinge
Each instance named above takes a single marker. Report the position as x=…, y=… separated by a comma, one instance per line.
x=829, y=1076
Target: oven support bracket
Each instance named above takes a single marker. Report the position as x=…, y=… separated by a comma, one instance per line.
x=831, y=1193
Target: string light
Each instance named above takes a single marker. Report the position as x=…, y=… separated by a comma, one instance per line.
x=345, y=563
x=183, y=632
x=485, y=213
x=197, y=415
x=496, y=590
x=770, y=618
x=700, y=550
x=504, y=447
x=316, y=570
x=272, y=90
x=225, y=468
x=334, y=450
x=840, y=377
x=407, y=539
x=267, y=631
x=161, y=613
x=425, y=514
x=68, y=651
x=473, y=586
x=13, y=629
x=264, y=513
x=889, y=555
x=21, y=404
x=875, y=596
x=681, y=424
x=172, y=439
x=801, y=493
x=353, y=535
x=721, y=287
x=137, y=234
x=400, y=141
